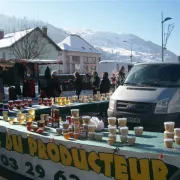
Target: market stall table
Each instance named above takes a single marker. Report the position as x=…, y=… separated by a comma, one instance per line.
x=51, y=157
x=85, y=108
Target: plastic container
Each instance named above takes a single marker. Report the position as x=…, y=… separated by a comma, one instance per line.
x=112, y=121
x=168, y=143
x=169, y=126
x=124, y=130
x=138, y=131
x=122, y=122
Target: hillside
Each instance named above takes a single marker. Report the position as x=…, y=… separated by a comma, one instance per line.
x=110, y=44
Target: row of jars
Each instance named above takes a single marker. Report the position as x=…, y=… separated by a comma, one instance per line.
x=18, y=104
x=123, y=130
x=21, y=117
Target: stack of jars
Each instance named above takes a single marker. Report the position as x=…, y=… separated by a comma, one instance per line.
x=21, y=117
x=75, y=123
x=112, y=130
x=11, y=105
x=45, y=101
x=74, y=99
x=31, y=115
x=91, y=131
x=123, y=129
x=5, y=115
x=171, y=134
x=12, y=120
x=97, y=97
x=45, y=118
x=65, y=126
x=85, y=124
x=177, y=135
x=55, y=118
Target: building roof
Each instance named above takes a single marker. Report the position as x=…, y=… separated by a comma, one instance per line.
x=11, y=38
x=75, y=43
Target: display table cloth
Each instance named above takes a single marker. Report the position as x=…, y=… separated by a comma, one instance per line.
x=51, y=157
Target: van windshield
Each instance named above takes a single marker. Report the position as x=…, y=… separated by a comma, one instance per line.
x=156, y=75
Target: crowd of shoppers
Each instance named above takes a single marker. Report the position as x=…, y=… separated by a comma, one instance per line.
x=103, y=84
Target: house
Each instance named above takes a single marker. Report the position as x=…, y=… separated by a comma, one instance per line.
x=78, y=55
x=29, y=44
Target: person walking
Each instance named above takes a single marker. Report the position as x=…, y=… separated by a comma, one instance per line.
x=53, y=86
x=95, y=82
x=2, y=94
x=77, y=83
x=120, y=77
x=105, y=83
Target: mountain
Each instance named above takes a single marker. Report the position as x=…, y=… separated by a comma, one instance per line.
x=110, y=44
x=114, y=47
x=12, y=24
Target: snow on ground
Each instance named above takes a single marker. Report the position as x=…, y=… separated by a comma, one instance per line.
x=121, y=51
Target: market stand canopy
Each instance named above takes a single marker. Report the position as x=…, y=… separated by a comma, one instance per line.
x=35, y=61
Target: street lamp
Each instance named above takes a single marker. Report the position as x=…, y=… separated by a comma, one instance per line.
x=162, y=23
x=131, y=49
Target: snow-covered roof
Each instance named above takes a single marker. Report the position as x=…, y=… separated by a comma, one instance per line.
x=75, y=43
x=11, y=38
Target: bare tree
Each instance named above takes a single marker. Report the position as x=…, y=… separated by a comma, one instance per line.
x=29, y=44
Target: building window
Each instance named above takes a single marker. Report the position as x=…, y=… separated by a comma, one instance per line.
x=85, y=68
x=93, y=68
x=77, y=67
x=85, y=60
x=3, y=55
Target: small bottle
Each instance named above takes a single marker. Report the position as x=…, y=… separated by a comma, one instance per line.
x=84, y=134
x=55, y=123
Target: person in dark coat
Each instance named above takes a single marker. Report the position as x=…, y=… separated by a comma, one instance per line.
x=1, y=85
x=95, y=82
x=105, y=83
x=53, y=86
x=77, y=83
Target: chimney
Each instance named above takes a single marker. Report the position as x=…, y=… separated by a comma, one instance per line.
x=44, y=29
x=1, y=34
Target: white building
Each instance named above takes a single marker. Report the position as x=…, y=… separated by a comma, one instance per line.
x=29, y=44
x=75, y=53
x=78, y=55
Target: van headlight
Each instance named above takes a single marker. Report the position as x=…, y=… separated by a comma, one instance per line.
x=111, y=104
x=162, y=106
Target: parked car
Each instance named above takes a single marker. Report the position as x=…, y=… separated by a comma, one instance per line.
x=149, y=96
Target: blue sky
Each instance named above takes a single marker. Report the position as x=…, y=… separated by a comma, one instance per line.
x=139, y=17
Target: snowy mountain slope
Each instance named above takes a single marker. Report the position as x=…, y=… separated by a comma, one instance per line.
x=113, y=44
x=110, y=44
x=12, y=24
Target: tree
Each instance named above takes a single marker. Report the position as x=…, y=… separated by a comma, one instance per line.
x=29, y=44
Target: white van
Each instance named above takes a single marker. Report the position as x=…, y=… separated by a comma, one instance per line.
x=112, y=66
x=150, y=95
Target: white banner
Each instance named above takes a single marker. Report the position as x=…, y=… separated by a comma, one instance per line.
x=39, y=157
